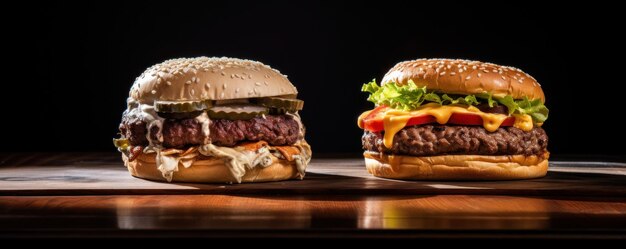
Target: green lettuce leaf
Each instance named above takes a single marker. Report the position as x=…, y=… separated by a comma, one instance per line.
x=410, y=96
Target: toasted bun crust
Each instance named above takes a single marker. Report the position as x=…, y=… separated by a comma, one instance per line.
x=456, y=167
x=213, y=78
x=466, y=77
x=211, y=170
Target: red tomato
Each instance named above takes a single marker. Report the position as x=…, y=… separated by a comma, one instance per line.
x=372, y=122
x=375, y=123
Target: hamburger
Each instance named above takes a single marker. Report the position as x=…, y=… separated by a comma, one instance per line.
x=213, y=120
x=443, y=119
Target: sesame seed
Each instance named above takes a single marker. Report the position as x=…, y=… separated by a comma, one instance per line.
x=474, y=67
x=169, y=83
x=437, y=70
x=468, y=77
x=224, y=86
x=265, y=83
x=237, y=90
x=452, y=73
x=504, y=78
x=460, y=70
x=222, y=95
x=193, y=92
x=485, y=71
x=208, y=85
x=249, y=76
x=153, y=91
x=495, y=71
x=257, y=83
x=442, y=73
x=232, y=76
x=222, y=73
x=449, y=66
x=188, y=82
x=479, y=75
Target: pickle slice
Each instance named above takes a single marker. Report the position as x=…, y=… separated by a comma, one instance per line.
x=181, y=109
x=275, y=111
x=179, y=115
x=236, y=112
x=121, y=143
x=281, y=105
x=182, y=106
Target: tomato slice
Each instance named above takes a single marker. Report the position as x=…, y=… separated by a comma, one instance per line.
x=370, y=123
x=374, y=123
x=424, y=119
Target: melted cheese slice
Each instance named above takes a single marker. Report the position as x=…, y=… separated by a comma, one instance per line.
x=395, y=120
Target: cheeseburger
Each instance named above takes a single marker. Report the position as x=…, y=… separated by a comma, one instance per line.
x=213, y=120
x=442, y=119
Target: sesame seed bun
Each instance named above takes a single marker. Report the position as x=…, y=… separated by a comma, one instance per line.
x=212, y=78
x=466, y=77
x=456, y=167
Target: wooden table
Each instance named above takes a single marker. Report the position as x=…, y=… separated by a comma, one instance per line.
x=92, y=195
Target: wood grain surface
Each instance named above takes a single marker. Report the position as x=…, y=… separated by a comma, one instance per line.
x=91, y=195
x=321, y=215
x=104, y=173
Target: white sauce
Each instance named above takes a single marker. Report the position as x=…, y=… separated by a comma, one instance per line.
x=237, y=159
x=168, y=164
x=205, y=121
x=147, y=114
x=303, y=159
x=301, y=130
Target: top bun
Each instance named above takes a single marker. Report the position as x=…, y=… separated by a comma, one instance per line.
x=202, y=78
x=466, y=77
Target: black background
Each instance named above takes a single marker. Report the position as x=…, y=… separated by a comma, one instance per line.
x=71, y=65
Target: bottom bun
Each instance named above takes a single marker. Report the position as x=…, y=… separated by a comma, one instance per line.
x=212, y=170
x=456, y=167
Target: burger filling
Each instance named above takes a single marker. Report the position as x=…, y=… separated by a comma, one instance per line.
x=411, y=120
x=244, y=136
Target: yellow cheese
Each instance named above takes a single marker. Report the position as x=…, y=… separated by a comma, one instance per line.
x=395, y=120
x=361, y=117
x=524, y=122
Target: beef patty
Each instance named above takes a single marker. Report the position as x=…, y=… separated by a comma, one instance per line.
x=430, y=140
x=179, y=133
